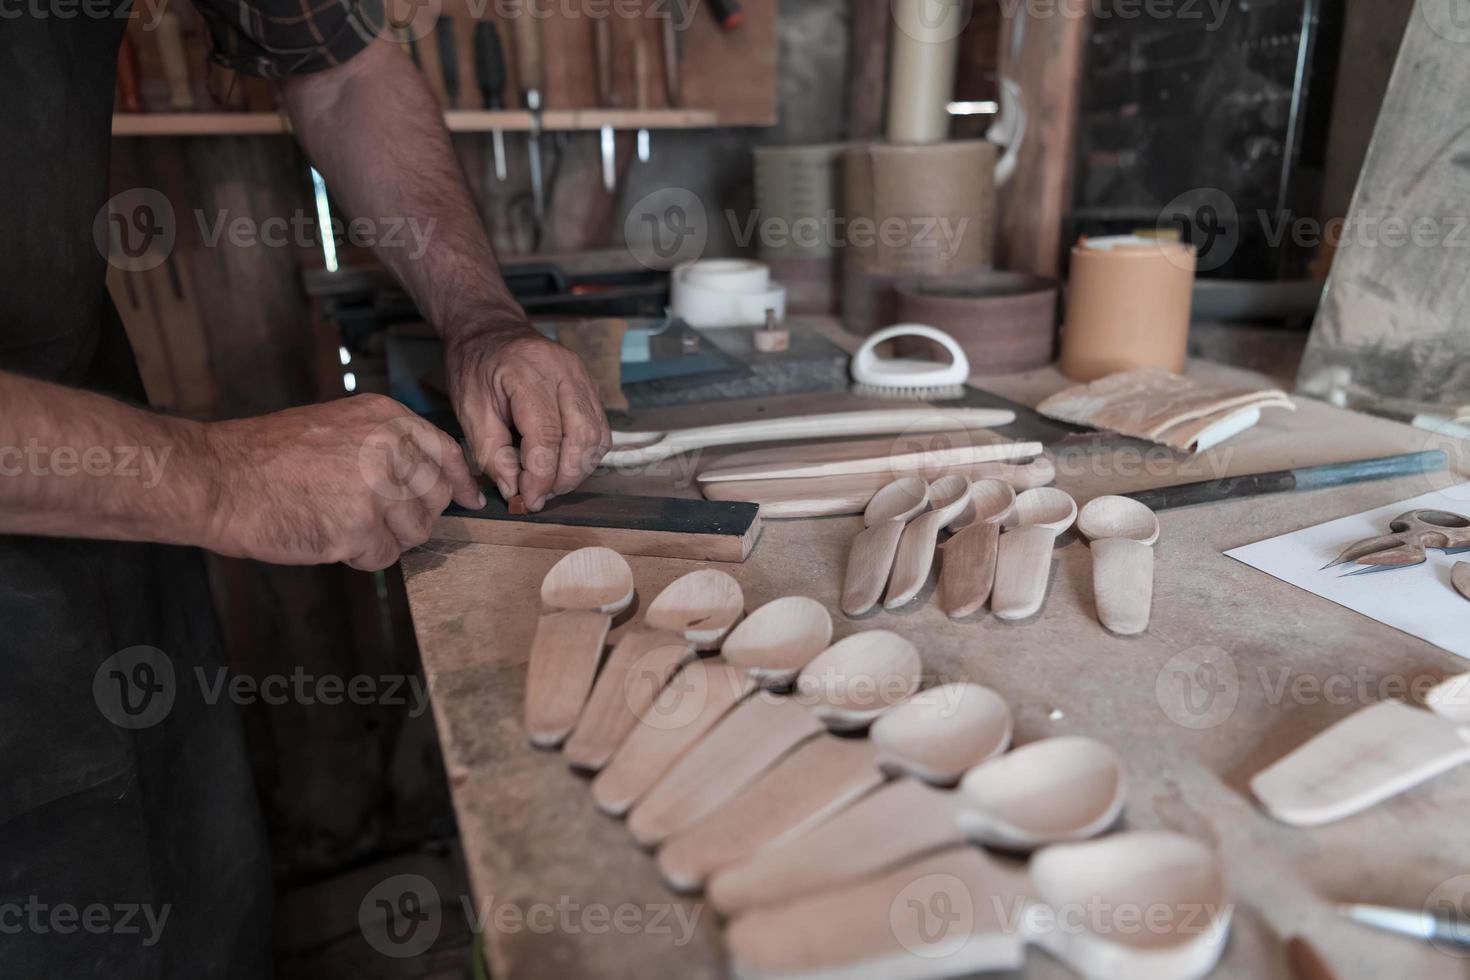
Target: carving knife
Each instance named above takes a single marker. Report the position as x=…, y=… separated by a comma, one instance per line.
x=530, y=74
x=448, y=58
x=602, y=59
x=490, y=67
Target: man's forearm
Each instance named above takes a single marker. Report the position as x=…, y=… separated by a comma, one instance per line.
x=78, y=464
x=376, y=132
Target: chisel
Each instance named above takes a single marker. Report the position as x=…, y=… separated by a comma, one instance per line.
x=490, y=67
x=640, y=83
x=448, y=58
x=671, y=60
x=529, y=72
x=602, y=59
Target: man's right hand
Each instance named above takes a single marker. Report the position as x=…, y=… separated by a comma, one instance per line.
x=357, y=480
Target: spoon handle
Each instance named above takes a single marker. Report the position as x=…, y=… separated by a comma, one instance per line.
x=915, y=558
x=868, y=565
x=1123, y=584
x=1022, y=569
x=813, y=782
x=956, y=912
x=689, y=706
x=636, y=670
x=967, y=569
x=745, y=744
x=564, y=657
x=893, y=824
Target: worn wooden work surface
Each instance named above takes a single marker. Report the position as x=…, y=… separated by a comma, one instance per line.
x=1286, y=665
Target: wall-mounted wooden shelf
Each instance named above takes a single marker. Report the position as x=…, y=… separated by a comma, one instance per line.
x=458, y=120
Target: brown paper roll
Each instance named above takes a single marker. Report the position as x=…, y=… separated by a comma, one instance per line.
x=1004, y=321
x=919, y=210
x=1127, y=306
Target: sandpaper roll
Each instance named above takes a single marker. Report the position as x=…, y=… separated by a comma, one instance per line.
x=1004, y=321
x=1127, y=306
x=919, y=210
x=868, y=300
x=797, y=199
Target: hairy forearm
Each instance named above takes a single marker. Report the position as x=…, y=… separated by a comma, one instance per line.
x=376, y=133
x=78, y=464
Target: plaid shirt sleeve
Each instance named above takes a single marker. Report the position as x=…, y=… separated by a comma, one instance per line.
x=275, y=38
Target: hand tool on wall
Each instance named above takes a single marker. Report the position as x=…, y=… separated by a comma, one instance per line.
x=640, y=86
x=127, y=77
x=607, y=98
x=175, y=64
x=530, y=72
x=670, y=42
x=490, y=67
x=728, y=14
x=448, y=58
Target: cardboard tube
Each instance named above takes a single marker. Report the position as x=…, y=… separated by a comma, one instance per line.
x=1127, y=306
x=925, y=49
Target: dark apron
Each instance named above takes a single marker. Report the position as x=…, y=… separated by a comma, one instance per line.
x=131, y=843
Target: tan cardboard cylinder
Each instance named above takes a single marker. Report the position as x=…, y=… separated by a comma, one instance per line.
x=1127, y=306
x=925, y=49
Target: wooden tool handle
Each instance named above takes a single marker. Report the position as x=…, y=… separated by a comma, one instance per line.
x=564, y=658
x=897, y=822
x=662, y=445
x=127, y=77
x=526, y=32
x=745, y=744
x=636, y=671
x=691, y=703
x=175, y=64
x=817, y=780
x=603, y=60
x=967, y=569
x=1022, y=570
x=1123, y=584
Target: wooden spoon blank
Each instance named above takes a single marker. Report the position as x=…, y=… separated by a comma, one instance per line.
x=636, y=670
x=1022, y=569
x=868, y=566
x=742, y=746
x=1460, y=576
x=816, y=780
x=858, y=678
x=891, y=463
x=890, y=825
x=693, y=701
x=945, y=914
x=967, y=569
x=564, y=658
x=1368, y=757
x=1123, y=584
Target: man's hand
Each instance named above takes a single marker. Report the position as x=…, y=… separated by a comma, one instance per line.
x=357, y=480
x=515, y=379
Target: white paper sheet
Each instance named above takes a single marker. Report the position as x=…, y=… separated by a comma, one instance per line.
x=1418, y=600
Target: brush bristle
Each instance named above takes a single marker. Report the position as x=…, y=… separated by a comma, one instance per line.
x=905, y=394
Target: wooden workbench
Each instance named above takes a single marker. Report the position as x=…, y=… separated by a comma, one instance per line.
x=532, y=835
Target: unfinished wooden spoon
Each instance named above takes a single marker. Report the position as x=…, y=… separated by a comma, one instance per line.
x=1023, y=559
x=1122, y=532
x=1058, y=789
x=693, y=613
x=936, y=735
x=846, y=686
x=1367, y=757
x=766, y=650
x=583, y=590
x=1460, y=578
x=967, y=568
x=961, y=912
x=949, y=496
x=870, y=559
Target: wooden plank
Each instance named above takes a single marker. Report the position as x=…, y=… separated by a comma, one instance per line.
x=458, y=121
x=1392, y=325
x=867, y=76
x=1032, y=208
x=660, y=527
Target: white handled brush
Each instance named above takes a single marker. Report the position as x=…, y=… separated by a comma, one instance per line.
x=909, y=378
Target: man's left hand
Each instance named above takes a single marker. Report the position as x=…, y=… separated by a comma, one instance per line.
x=513, y=378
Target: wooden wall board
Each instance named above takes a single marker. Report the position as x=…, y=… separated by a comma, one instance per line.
x=1393, y=312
